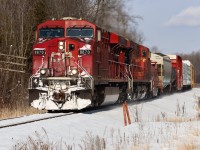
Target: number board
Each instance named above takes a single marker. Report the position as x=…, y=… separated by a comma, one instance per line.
x=39, y=52
x=84, y=52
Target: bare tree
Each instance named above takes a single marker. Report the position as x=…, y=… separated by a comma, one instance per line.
x=155, y=49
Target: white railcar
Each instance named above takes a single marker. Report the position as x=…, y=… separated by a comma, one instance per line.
x=164, y=69
x=186, y=74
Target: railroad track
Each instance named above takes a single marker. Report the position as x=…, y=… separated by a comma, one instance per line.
x=6, y=125
x=10, y=122
x=20, y=121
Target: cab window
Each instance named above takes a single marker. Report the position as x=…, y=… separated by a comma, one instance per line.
x=144, y=53
x=51, y=32
x=80, y=32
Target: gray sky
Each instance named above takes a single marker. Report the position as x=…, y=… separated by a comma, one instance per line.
x=171, y=25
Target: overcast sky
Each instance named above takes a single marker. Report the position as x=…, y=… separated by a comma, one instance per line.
x=171, y=25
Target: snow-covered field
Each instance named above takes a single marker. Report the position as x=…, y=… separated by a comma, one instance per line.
x=161, y=123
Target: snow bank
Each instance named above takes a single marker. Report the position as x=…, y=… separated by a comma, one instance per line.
x=108, y=124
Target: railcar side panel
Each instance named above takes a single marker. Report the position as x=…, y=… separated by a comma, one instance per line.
x=177, y=65
x=186, y=73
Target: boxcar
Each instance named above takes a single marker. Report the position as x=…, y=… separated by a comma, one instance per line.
x=176, y=62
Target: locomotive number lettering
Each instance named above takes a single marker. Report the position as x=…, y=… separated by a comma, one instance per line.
x=39, y=52
x=84, y=52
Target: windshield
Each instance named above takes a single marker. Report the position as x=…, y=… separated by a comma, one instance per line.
x=51, y=32
x=80, y=32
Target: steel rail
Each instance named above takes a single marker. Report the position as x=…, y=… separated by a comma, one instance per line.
x=31, y=121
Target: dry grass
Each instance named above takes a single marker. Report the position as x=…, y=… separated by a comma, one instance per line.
x=197, y=85
x=40, y=141
x=176, y=119
x=17, y=112
x=16, y=106
x=198, y=104
x=179, y=115
x=141, y=147
x=91, y=142
x=116, y=140
x=196, y=132
x=190, y=146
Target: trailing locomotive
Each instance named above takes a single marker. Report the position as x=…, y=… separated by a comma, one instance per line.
x=77, y=64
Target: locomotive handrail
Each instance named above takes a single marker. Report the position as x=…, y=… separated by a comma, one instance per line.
x=130, y=84
x=31, y=77
x=124, y=73
x=83, y=70
x=117, y=62
x=137, y=66
x=91, y=78
x=129, y=69
x=130, y=78
x=125, y=63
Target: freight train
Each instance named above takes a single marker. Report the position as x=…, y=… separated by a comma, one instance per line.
x=77, y=64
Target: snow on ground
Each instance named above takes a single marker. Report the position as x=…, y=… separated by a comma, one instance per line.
x=155, y=124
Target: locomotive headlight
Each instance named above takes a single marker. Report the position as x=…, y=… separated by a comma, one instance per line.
x=74, y=71
x=61, y=45
x=63, y=86
x=43, y=71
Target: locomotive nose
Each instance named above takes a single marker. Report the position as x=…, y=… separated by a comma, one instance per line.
x=59, y=96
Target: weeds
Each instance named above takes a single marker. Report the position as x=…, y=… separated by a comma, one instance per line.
x=137, y=113
x=198, y=103
x=92, y=142
x=41, y=142
x=190, y=146
x=197, y=106
x=17, y=112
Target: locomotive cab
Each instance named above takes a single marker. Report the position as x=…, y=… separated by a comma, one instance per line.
x=60, y=75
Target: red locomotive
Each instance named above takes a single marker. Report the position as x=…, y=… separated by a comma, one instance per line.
x=77, y=64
